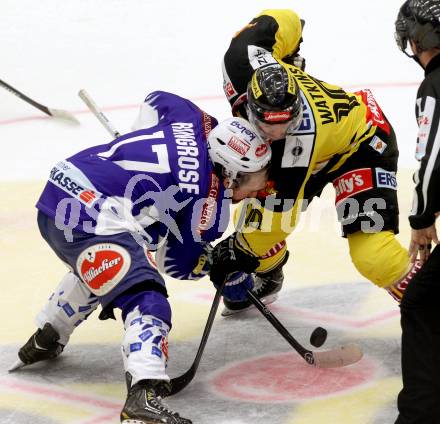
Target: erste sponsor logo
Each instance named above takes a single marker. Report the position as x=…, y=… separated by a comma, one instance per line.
x=386, y=179
x=62, y=180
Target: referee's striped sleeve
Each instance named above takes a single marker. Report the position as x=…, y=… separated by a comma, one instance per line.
x=427, y=178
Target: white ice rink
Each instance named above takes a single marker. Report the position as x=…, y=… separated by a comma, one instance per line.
x=120, y=51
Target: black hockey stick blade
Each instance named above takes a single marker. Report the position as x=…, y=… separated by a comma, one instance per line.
x=338, y=357
x=179, y=383
x=55, y=113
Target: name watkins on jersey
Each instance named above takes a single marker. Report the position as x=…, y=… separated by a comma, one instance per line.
x=315, y=93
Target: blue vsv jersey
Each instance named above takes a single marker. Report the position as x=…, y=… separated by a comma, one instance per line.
x=156, y=183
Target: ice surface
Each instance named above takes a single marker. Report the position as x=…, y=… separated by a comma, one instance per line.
x=120, y=51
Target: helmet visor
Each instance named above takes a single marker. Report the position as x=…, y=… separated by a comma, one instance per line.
x=401, y=40
x=276, y=130
x=402, y=43
x=402, y=25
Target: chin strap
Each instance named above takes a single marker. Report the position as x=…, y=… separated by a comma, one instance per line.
x=417, y=60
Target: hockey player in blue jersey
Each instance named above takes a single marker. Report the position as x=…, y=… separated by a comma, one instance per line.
x=164, y=188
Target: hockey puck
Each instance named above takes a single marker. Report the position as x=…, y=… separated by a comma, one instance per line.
x=318, y=337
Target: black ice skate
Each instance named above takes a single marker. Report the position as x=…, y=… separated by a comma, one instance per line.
x=266, y=288
x=42, y=345
x=144, y=405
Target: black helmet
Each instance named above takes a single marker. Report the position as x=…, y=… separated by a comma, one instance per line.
x=419, y=21
x=273, y=96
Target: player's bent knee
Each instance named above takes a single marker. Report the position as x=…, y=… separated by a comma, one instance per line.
x=379, y=257
x=149, y=302
x=69, y=305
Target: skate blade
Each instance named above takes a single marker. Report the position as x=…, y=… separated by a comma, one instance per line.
x=16, y=365
x=266, y=300
x=129, y=421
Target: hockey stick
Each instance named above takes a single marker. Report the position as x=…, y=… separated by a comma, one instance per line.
x=55, y=113
x=338, y=357
x=94, y=108
x=179, y=383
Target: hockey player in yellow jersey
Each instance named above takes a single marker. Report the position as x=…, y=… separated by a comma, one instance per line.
x=274, y=34
x=322, y=134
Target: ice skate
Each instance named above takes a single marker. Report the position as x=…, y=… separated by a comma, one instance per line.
x=42, y=345
x=144, y=405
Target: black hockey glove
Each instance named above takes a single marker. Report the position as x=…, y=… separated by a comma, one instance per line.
x=229, y=257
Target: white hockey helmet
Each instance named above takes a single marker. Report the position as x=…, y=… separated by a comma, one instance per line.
x=235, y=145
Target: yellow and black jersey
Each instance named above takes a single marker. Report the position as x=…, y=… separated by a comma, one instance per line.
x=268, y=38
x=335, y=123
x=344, y=138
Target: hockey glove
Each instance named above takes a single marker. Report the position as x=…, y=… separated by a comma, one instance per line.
x=229, y=257
x=296, y=60
x=236, y=287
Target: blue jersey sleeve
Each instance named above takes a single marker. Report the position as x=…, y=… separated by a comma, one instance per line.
x=203, y=222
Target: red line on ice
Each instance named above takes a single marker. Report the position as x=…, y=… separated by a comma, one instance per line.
x=53, y=392
x=313, y=315
x=202, y=98
x=338, y=320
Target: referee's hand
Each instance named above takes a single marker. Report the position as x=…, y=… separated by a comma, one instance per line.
x=421, y=243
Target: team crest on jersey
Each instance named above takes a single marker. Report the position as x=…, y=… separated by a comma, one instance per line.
x=377, y=144
x=102, y=266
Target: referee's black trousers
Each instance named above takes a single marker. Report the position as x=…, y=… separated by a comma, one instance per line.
x=419, y=400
